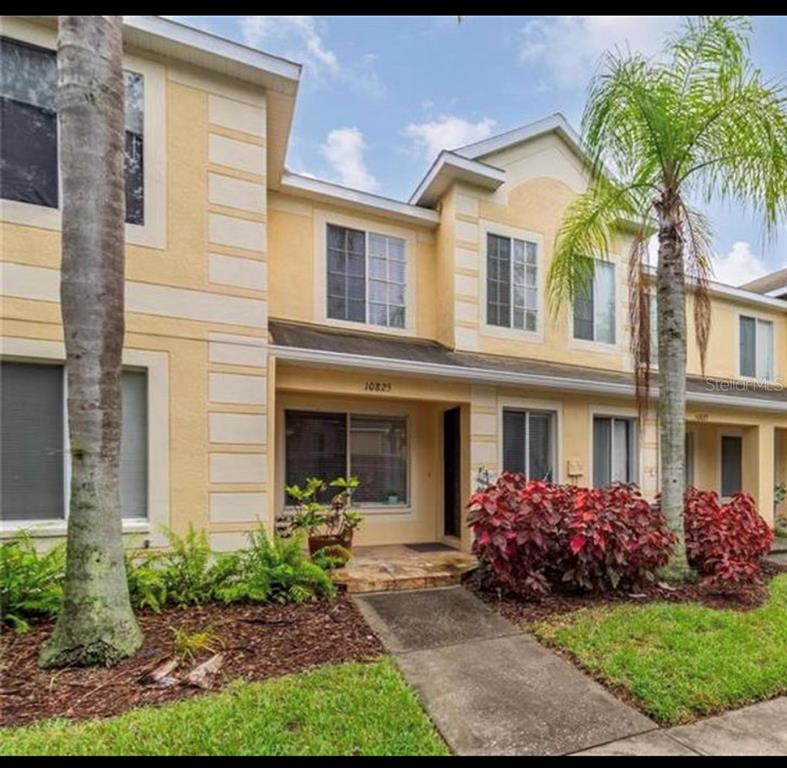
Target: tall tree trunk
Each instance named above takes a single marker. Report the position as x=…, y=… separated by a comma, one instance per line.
x=671, y=305
x=96, y=624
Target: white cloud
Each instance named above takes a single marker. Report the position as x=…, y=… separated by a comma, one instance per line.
x=344, y=150
x=739, y=266
x=447, y=132
x=296, y=36
x=301, y=39
x=570, y=46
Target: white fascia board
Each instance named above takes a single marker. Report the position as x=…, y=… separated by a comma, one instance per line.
x=306, y=186
x=449, y=168
x=484, y=375
x=731, y=292
x=547, y=124
x=777, y=293
x=171, y=38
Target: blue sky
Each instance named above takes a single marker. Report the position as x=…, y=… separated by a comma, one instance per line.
x=381, y=95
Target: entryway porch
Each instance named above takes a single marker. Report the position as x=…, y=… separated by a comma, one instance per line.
x=398, y=567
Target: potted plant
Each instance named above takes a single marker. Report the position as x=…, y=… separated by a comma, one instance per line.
x=326, y=525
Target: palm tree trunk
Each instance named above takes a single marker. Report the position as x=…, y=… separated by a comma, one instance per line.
x=96, y=624
x=671, y=305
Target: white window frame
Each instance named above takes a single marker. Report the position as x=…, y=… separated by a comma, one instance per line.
x=321, y=221
x=40, y=352
x=348, y=413
x=594, y=343
x=619, y=414
x=153, y=232
x=512, y=233
x=758, y=319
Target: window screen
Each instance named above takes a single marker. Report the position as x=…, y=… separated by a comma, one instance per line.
x=378, y=458
x=134, y=444
x=28, y=129
x=583, y=311
x=731, y=465
x=614, y=451
x=31, y=448
x=528, y=446
x=748, y=346
x=594, y=305
x=346, y=274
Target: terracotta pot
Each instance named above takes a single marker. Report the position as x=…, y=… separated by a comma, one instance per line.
x=316, y=543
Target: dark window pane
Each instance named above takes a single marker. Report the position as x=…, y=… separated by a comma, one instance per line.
x=135, y=187
x=346, y=267
x=28, y=154
x=498, y=280
x=602, y=452
x=731, y=465
x=514, y=441
x=316, y=446
x=31, y=448
x=378, y=458
x=583, y=312
x=748, y=346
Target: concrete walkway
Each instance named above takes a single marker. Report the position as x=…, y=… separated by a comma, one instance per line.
x=760, y=730
x=489, y=688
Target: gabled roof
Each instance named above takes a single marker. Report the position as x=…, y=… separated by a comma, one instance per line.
x=773, y=284
x=554, y=123
x=465, y=163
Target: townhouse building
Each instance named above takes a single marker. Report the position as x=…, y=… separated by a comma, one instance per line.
x=279, y=326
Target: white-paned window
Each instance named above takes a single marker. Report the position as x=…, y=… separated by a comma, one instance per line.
x=756, y=348
x=594, y=306
x=511, y=282
x=366, y=275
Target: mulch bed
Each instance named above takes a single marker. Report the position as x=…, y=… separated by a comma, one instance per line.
x=521, y=611
x=259, y=641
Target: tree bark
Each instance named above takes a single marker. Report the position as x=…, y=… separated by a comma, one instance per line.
x=96, y=625
x=671, y=306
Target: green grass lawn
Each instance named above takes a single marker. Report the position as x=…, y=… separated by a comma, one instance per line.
x=681, y=662
x=346, y=709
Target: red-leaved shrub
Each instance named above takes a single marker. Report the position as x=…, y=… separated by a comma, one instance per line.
x=615, y=537
x=532, y=535
x=724, y=542
x=518, y=530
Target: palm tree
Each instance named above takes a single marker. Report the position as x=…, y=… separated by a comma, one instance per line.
x=698, y=123
x=96, y=624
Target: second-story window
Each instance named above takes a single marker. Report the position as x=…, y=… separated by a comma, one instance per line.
x=756, y=348
x=511, y=283
x=28, y=139
x=594, y=306
x=366, y=277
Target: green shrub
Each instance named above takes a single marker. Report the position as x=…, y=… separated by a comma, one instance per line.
x=191, y=573
x=188, y=573
x=331, y=557
x=146, y=585
x=31, y=582
x=276, y=569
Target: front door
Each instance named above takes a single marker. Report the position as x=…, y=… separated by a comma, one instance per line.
x=451, y=472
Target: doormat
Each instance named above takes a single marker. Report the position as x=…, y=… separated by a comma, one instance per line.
x=430, y=546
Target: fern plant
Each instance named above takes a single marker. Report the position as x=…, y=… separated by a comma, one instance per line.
x=276, y=569
x=31, y=582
